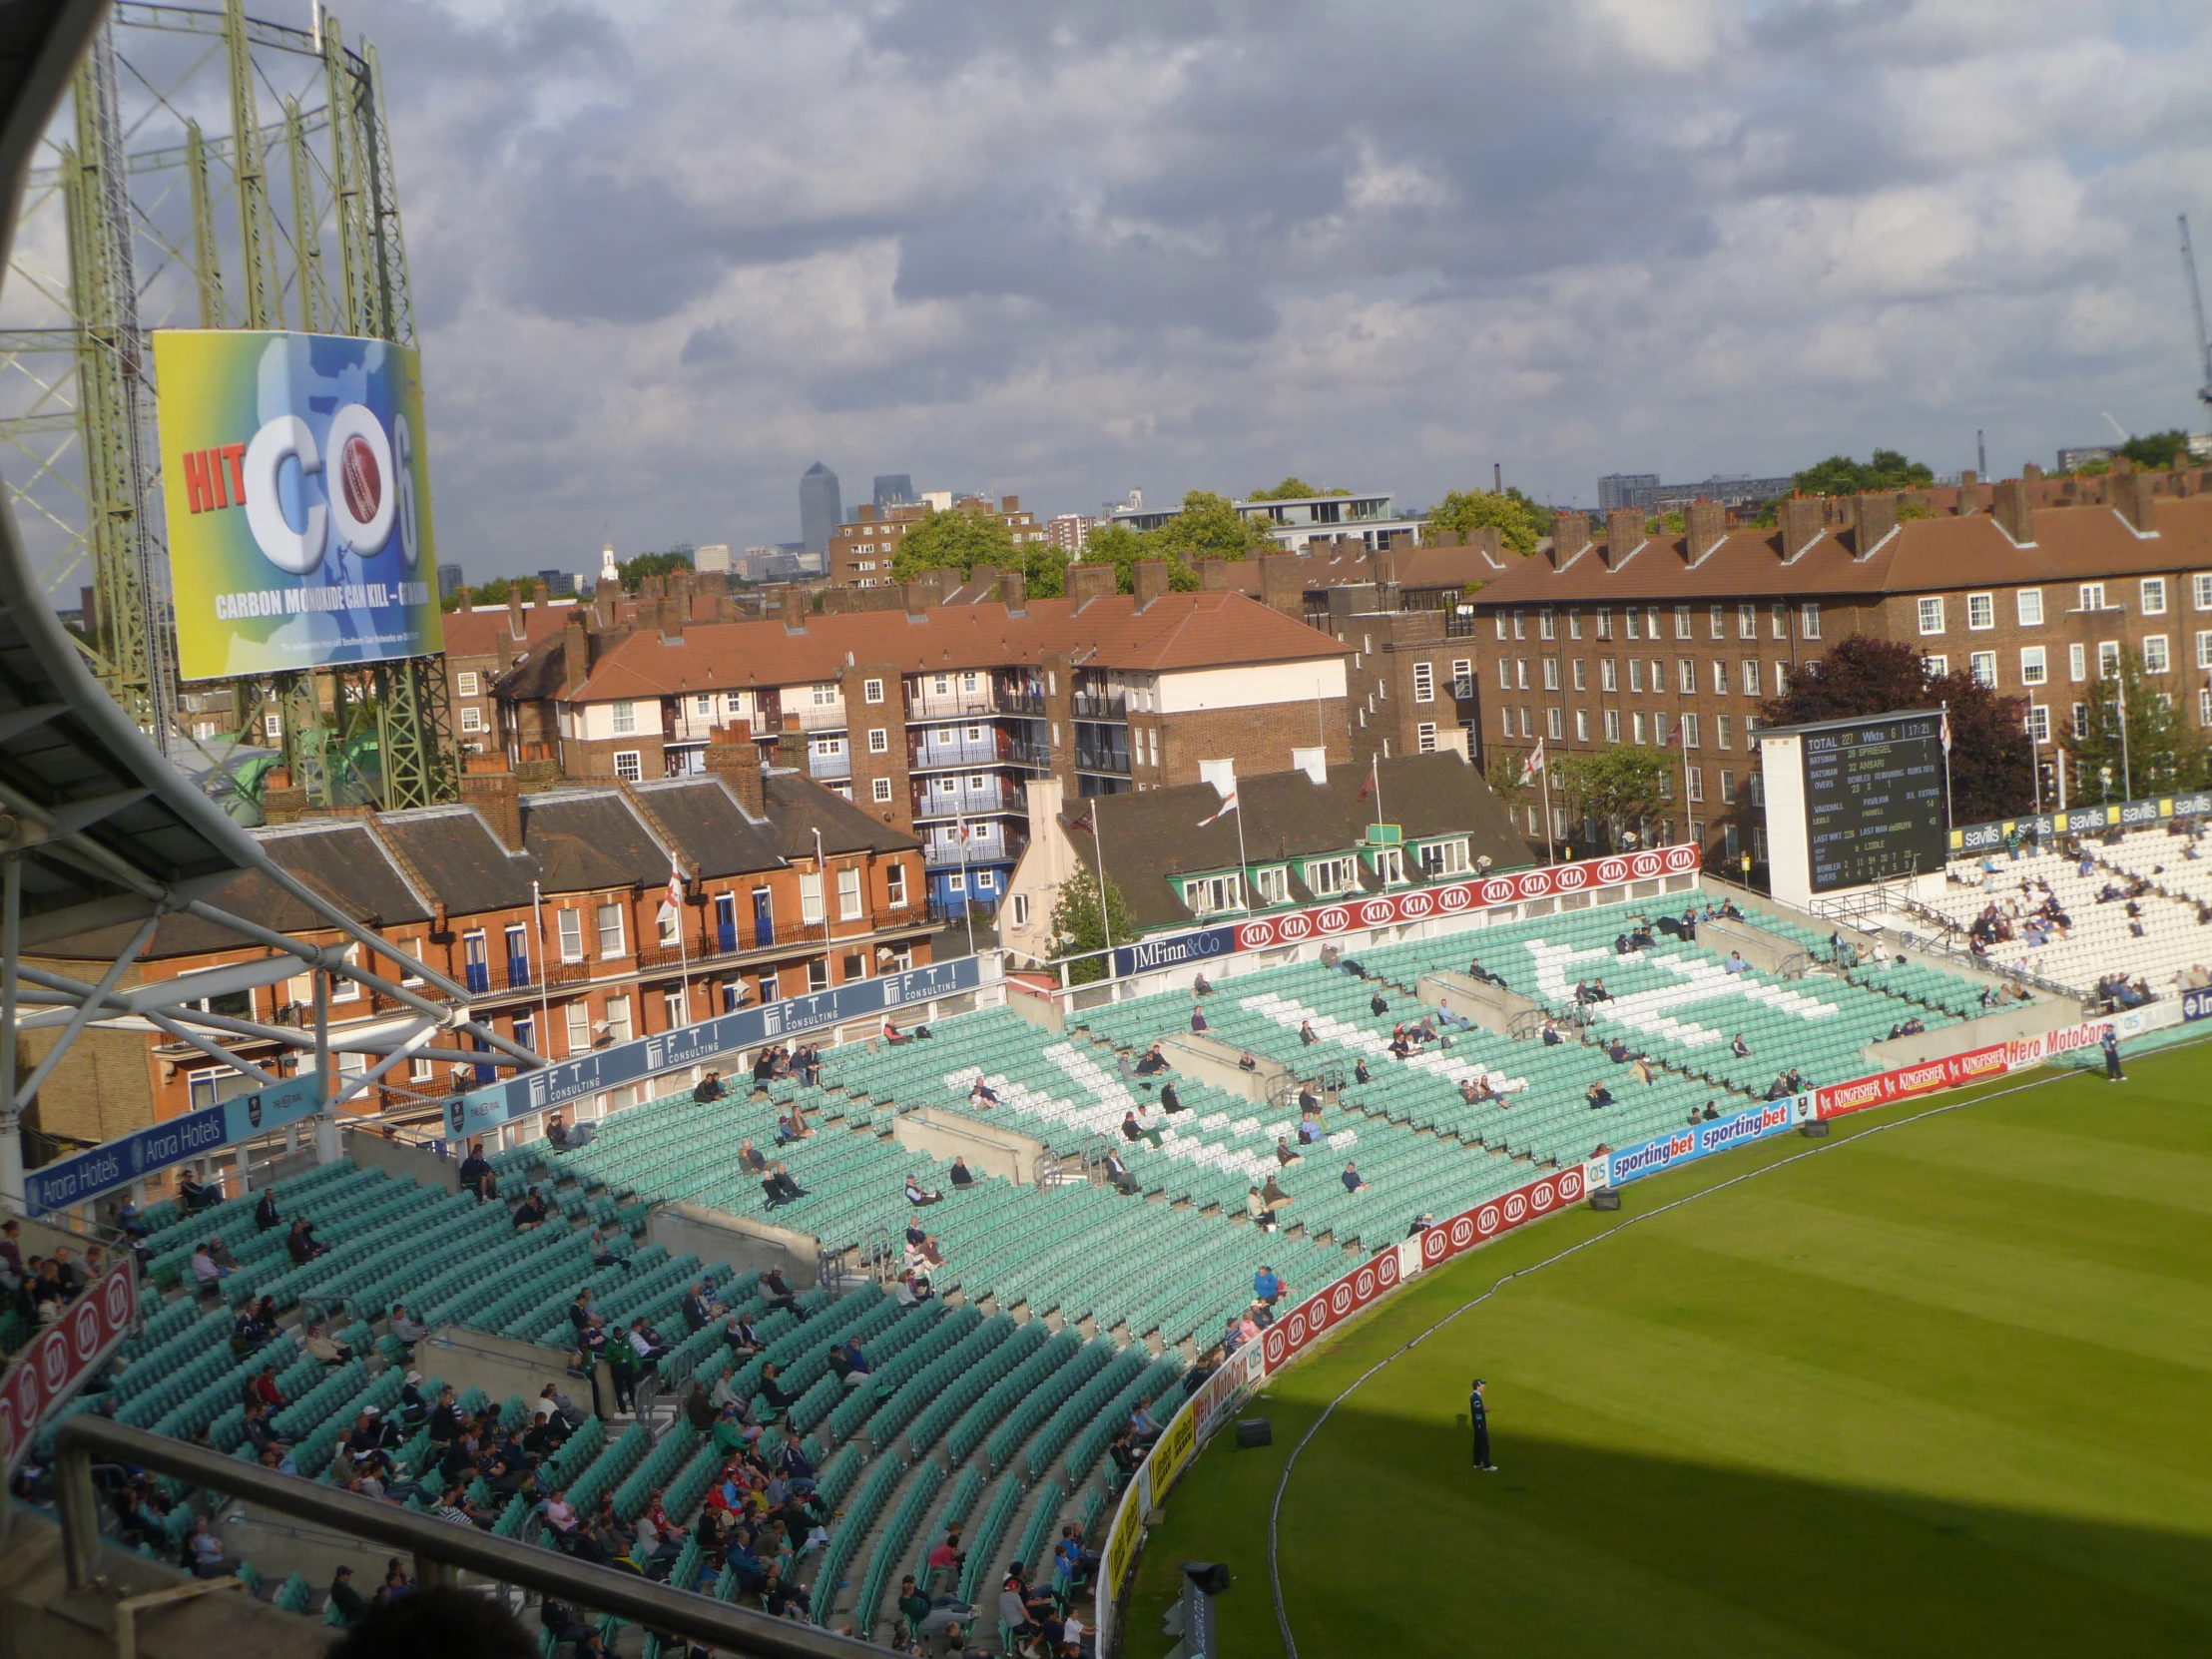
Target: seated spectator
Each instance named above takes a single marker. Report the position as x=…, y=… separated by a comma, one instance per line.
x=1552, y=1039
x=193, y=1196
x=1305, y=1034
x=203, y=1551
x=983, y=1096
x=1617, y=1053
x=1735, y=962
x=710, y=1088
x=646, y=1343
x=1284, y=1154
x=556, y=1133
x=962, y=1176
x=1267, y=1287
x=910, y=1290
x=1257, y=1208
x=1152, y=1062
x=1170, y=1101
x=1133, y=1131
x=1594, y=992
x=265, y=1213
x=1198, y=1019
x=1711, y=1111
x=751, y=1160
x=1118, y=1174
x=1352, y=1179
x=1378, y=1004
x=476, y=1175
x=1483, y=975
x=698, y=1310
x=206, y=1270
x=893, y=1034
x=777, y=1291
x=405, y=1326
x=1360, y=1072
x=324, y=1347
x=1201, y=987
x=531, y=1212
x=1599, y=1095
x=1641, y=1069
x=918, y=1195
x=1310, y=1131
x=1738, y=1047
x=1245, y=1062
x=741, y=1335
x=780, y=1188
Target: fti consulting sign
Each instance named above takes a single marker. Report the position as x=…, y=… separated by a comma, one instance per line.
x=298, y=497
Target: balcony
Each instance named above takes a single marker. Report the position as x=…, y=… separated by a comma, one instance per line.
x=1458, y=623
x=518, y=974
x=953, y=704
x=1089, y=757
x=568, y=973
x=1093, y=705
x=949, y=855
x=820, y=718
x=994, y=796
x=829, y=768
x=1021, y=699
x=940, y=757
x=1037, y=756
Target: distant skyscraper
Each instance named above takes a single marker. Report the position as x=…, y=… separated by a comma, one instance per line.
x=894, y=490
x=820, y=508
x=450, y=578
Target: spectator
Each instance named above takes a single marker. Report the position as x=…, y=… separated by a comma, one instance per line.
x=962, y=1176
x=1378, y=1006
x=1170, y=1101
x=555, y=1134
x=777, y=1291
x=531, y=1212
x=1600, y=1096
x=1152, y=1062
x=206, y=1270
x=1305, y=1034
x=749, y=1159
x=1267, y=1287
x=476, y=1175
x=710, y=1088
x=1735, y=962
x=203, y=1551
x=196, y=1197
x=1118, y=1174
x=1133, y=1131
x=265, y=1213
x=1198, y=1019
x=1245, y=1062
x=1552, y=1039
x=1641, y=1069
x=1257, y=1208
x=1285, y=1155
x=1352, y=1179
x=781, y=1188
x=917, y=1195
x=741, y=1337
x=323, y=1347
x=983, y=1096
x=405, y=1326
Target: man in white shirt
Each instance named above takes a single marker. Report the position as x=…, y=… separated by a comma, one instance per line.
x=204, y=1269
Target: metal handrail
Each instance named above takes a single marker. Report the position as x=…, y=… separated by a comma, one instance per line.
x=441, y=1549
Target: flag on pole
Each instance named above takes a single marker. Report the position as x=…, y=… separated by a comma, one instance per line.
x=1088, y=823
x=1368, y=788
x=1946, y=732
x=1223, y=776
x=1533, y=765
x=1228, y=805
x=675, y=886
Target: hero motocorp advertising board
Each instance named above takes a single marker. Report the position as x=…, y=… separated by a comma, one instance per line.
x=299, y=501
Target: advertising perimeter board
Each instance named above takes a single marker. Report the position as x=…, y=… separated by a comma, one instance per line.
x=298, y=490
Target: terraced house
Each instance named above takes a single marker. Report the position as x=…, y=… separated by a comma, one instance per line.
x=2036, y=586
x=929, y=718
x=552, y=907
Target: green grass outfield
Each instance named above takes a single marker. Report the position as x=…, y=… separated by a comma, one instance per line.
x=1942, y=1388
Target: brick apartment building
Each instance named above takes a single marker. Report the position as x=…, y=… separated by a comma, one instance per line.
x=864, y=550
x=2034, y=586
x=550, y=906
x=931, y=716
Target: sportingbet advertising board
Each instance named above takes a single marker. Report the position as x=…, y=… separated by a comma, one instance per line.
x=298, y=496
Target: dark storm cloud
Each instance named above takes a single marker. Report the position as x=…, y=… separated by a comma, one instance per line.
x=1070, y=247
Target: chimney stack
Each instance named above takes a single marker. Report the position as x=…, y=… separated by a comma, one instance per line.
x=1875, y=516
x=1705, y=527
x=1624, y=533
x=1152, y=581
x=1212, y=575
x=283, y=801
x=1013, y=593
x=2133, y=501
x=983, y=577
x=916, y=596
x=673, y=612
x=490, y=787
x=2008, y=506
x=518, y=628
x=1490, y=542
x=1282, y=584
x=575, y=653
x=731, y=754
x=1800, y=517
x=790, y=605
x=1570, y=534
x=1087, y=581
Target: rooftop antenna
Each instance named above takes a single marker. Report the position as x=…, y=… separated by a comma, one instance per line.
x=2196, y=305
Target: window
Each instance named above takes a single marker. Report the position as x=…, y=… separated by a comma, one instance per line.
x=1463, y=677
x=1506, y=717
x=1521, y=625
x=472, y=720
x=1017, y=908
x=1424, y=683
x=2033, y=669
x=1574, y=625
x=1389, y=865
x=1808, y=619
x=1682, y=622
x=1637, y=726
x=1689, y=732
x=2028, y=605
x=1718, y=619
x=1750, y=676
x=1526, y=731
x=849, y=894
x=1330, y=875
x=872, y=691
x=894, y=886
x=1581, y=677
x=571, y=929
x=2092, y=596
x=609, y=917
x=618, y=1020
x=1445, y=859
x=1635, y=674
x=824, y=693
x=1635, y=620
x=1552, y=673
x=625, y=717
x=1605, y=622
x=2204, y=705
x=1607, y=674
x=809, y=899
x=1209, y=893
x=628, y=766
x=1778, y=620
x=1581, y=726
x=2038, y=722
x=1981, y=609
x=1693, y=778
x=272, y=728
x=1746, y=622
x=1520, y=674
x=1720, y=678
x=1500, y=620
x=2081, y=720
x=465, y=683
x=1728, y=787
x=670, y=924
x=1932, y=616
x=1554, y=723
x=881, y=788
x=1612, y=725
x=2204, y=647
x=975, y=733
x=2154, y=596
x=1273, y=885
x=1545, y=627
x=1425, y=737
x=2078, y=662
x=879, y=740
x=1504, y=673
x=1719, y=731
x=2155, y=660
x=2108, y=659
x=413, y=949
x=579, y=1023
x=1982, y=665
x=2201, y=589
x=1685, y=677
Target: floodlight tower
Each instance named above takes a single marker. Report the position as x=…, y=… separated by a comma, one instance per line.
x=128, y=228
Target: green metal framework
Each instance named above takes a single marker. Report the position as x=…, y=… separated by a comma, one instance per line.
x=129, y=229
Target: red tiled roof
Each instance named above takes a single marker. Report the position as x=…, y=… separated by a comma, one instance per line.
x=476, y=632
x=1176, y=631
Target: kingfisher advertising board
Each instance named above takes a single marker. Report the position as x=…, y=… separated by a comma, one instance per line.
x=299, y=501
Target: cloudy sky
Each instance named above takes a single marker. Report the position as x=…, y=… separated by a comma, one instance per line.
x=666, y=254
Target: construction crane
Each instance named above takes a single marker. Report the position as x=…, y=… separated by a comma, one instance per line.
x=2196, y=301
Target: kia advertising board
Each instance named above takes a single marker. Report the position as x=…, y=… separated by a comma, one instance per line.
x=299, y=501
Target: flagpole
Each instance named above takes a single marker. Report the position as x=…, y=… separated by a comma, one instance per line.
x=1244, y=864
x=1551, y=853
x=2128, y=769
x=1098, y=860
x=967, y=892
x=1949, y=815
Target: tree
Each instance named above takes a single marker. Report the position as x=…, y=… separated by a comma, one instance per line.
x=1292, y=488
x=1207, y=527
x=1077, y=927
x=635, y=570
x=959, y=538
x=2158, y=451
x=1519, y=520
x=1991, y=761
x=2164, y=752
x=1618, y=785
x=1887, y=469
x=1504, y=772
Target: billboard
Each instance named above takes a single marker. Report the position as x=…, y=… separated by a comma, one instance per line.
x=299, y=501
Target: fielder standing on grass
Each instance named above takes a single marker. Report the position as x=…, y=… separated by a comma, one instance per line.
x=2112, y=1056
x=1479, y=1415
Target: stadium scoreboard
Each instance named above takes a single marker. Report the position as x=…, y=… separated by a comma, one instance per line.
x=1860, y=801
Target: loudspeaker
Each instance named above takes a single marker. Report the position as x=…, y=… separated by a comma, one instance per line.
x=1814, y=1129
x=1253, y=1431
x=1605, y=1198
